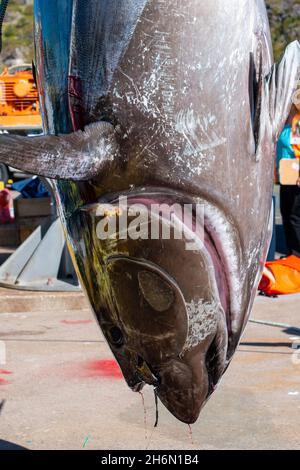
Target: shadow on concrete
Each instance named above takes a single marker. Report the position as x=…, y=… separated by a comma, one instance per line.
x=293, y=331
x=5, y=445
x=268, y=345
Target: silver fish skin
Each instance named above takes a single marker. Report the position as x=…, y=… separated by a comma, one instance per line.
x=195, y=106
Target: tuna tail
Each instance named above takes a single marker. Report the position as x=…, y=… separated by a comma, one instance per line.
x=79, y=156
x=3, y=6
x=281, y=85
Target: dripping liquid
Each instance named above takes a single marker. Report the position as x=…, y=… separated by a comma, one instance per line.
x=191, y=435
x=145, y=414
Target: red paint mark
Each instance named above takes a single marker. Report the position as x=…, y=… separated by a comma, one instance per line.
x=5, y=372
x=104, y=368
x=4, y=382
x=76, y=322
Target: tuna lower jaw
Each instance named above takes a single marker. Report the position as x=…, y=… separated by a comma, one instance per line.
x=186, y=376
x=222, y=240
x=179, y=392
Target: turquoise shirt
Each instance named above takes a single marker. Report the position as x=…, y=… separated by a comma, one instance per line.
x=284, y=148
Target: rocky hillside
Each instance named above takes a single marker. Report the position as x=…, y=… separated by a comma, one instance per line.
x=18, y=38
x=285, y=23
x=18, y=33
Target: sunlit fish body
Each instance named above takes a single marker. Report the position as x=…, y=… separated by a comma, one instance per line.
x=175, y=103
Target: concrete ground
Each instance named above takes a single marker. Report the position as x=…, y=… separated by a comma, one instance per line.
x=62, y=389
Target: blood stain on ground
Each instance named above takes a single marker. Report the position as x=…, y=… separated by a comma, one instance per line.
x=107, y=368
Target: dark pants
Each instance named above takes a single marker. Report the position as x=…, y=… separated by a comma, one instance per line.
x=290, y=211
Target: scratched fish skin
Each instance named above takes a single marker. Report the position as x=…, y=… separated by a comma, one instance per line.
x=196, y=107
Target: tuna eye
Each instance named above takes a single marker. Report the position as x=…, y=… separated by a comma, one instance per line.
x=115, y=336
x=156, y=291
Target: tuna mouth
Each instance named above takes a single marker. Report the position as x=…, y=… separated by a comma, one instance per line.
x=146, y=375
x=220, y=237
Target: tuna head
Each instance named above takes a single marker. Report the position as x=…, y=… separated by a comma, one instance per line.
x=165, y=310
x=188, y=106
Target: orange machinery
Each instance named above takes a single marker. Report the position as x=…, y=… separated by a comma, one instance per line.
x=19, y=109
x=19, y=104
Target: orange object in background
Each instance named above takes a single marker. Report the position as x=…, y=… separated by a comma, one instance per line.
x=281, y=277
x=19, y=104
x=296, y=135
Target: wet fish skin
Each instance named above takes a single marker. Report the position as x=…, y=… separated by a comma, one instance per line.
x=198, y=106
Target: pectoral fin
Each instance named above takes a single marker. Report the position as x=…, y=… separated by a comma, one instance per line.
x=79, y=156
x=281, y=85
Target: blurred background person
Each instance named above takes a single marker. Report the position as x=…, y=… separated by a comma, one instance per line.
x=288, y=147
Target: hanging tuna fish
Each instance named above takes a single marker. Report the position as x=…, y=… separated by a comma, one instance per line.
x=175, y=103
